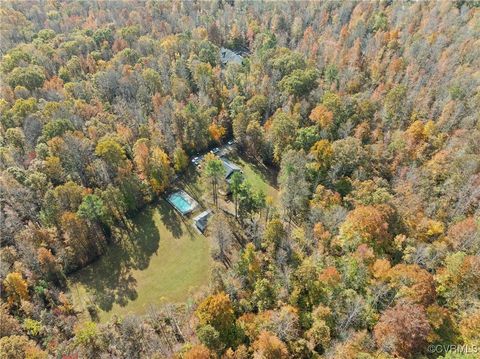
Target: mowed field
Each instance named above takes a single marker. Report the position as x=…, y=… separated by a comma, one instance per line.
x=163, y=260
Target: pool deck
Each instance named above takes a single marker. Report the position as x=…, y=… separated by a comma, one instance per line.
x=193, y=204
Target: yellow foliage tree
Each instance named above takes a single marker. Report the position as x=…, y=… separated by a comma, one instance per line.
x=16, y=288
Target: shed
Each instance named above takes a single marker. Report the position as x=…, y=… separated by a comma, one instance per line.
x=201, y=220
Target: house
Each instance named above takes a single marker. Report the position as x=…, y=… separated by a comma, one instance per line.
x=201, y=220
x=230, y=168
x=228, y=56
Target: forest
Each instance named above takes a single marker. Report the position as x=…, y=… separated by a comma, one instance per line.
x=363, y=116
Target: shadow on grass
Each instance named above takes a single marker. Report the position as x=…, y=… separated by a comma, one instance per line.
x=109, y=280
x=170, y=218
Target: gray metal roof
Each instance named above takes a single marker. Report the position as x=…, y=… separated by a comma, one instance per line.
x=229, y=167
x=201, y=220
x=228, y=56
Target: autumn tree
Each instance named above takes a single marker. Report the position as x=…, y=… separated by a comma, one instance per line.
x=268, y=346
x=393, y=336
x=19, y=346
x=16, y=288
x=365, y=224
x=180, y=160
x=322, y=116
x=198, y=352
x=217, y=311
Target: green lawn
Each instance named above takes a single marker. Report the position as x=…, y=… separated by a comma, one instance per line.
x=259, y=177
x=163, y=260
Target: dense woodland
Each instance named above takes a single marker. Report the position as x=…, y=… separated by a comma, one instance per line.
x=369, y=111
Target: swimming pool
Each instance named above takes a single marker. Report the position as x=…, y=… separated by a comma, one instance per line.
x=182, y=202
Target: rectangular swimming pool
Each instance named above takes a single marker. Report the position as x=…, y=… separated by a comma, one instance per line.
x=182, y=202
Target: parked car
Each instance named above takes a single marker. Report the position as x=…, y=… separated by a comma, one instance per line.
x=231, y=142
x=215, y=150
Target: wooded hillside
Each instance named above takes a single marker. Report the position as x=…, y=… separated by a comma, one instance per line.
x=369, y=111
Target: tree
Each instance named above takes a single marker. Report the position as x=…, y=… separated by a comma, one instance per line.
x=287, y=61
x=31, y=77
x=14, y=58
x=141, y=156
x=470, y=328
x=48, y=263
x=111, y=152
x=10, y=325
x=274, y=235
x=214, y=172
x=180, y=160
x=16, y=347
x=299, y=83
x=81, y=242
x=210, y=337
x=93, y=209
x=294, y=188
x=282, y=132
x=235, y=183
x=412, y=282
x=87, y=336
x=217, y=311
x=159, y=170
x=459, y=280
x=365, y=224
x=322, y=116
x=348, y=156
x=394, y=336
x=306, y=137
x=198, y=352
x=249, y=265
x=321, y=152
x=16, y=288
x=216, y=132
x=395, y=107
x=268, y=346
x=264, y=294
x=153, y=81
x=222, y=236
x=249, y=201
x=56, y=128
x=255, y=139
x=319, y=335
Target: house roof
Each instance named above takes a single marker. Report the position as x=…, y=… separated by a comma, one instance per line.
x=227, y=56
x=201, y=220
x=229, y=167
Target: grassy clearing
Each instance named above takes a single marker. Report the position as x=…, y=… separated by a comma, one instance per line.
x=163, y=260
x=259, y=176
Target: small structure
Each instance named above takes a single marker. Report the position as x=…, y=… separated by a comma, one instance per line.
x=201, y=220
x=230, y=168
x=228, y=56
x=182, y=202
